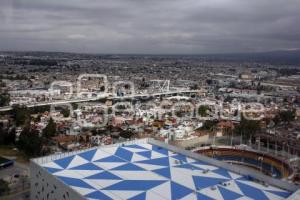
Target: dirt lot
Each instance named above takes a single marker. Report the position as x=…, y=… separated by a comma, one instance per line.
x=8, y=151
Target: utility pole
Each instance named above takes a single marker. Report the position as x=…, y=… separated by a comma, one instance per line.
x=241, y=138
x=276, y=148
x=231, y=137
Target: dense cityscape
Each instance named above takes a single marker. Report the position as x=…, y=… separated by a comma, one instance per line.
x=203, y=106
x=150, y=100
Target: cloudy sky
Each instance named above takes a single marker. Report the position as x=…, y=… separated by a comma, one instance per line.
x=150, y=26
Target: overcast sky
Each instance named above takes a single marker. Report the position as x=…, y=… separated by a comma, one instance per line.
x=150, y=26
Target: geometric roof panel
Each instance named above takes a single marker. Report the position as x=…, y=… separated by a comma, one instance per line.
x=146, y=171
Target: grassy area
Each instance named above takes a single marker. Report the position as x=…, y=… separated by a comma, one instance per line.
x=8, y=150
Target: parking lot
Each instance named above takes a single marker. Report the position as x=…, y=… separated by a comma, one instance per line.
x=18, y=178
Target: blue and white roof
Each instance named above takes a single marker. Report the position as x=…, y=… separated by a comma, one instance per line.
x=145, y=171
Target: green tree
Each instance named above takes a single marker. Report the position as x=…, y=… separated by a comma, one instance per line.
x=202, y=110
x=287, y=116
x=7, y=135
x=21, y=114
x=126, y=134
x=30, y=142
x=75, y=106
x=247, y=128
x=50, y=130
x=39, y=109
x=65, y=112
x=4, y=99
x=209, y=125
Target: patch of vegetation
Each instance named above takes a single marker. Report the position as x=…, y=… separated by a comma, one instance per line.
x=50, y=130
x=30, y=142
x=202, y=110
x=209, y=125
x=247, y=128
x=4, y=99
x=20, y=114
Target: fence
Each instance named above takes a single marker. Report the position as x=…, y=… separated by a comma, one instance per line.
x=279, y=183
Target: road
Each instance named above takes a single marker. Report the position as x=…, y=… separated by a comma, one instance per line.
x=105, y=96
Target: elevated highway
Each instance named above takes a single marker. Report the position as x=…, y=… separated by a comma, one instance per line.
x=109, y=96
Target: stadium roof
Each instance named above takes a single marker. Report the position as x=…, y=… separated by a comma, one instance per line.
x=145, y=171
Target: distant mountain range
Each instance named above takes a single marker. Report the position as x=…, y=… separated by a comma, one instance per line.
x=291, y=57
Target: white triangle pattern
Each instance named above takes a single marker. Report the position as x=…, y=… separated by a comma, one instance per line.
x=52, y=165
x=181, y=175
x=77, y=161
x=137, y=157
x=163, y=190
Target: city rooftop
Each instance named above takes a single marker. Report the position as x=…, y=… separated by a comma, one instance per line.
x=148, y=169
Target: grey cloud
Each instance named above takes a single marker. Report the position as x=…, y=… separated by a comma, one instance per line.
x=140, y=26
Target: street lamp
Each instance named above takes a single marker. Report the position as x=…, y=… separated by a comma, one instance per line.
x=260, y=158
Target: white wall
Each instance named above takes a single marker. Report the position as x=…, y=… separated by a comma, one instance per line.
x=45, y=186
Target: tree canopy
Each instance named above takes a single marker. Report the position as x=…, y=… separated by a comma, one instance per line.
x=202, y=110
x=50, y=130
x=4, y=99
x=247, y=127
x=287, y=116
x=21, y=114
x=209, y=125
x=7, y=135
x=30, y=142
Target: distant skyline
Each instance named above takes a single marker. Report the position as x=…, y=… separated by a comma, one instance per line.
x=150, y=27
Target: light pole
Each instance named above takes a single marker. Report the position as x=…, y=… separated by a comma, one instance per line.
x=268, y=144
x=275, y=147
x=231, y=141
x=260, y=158
x=241, y=138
